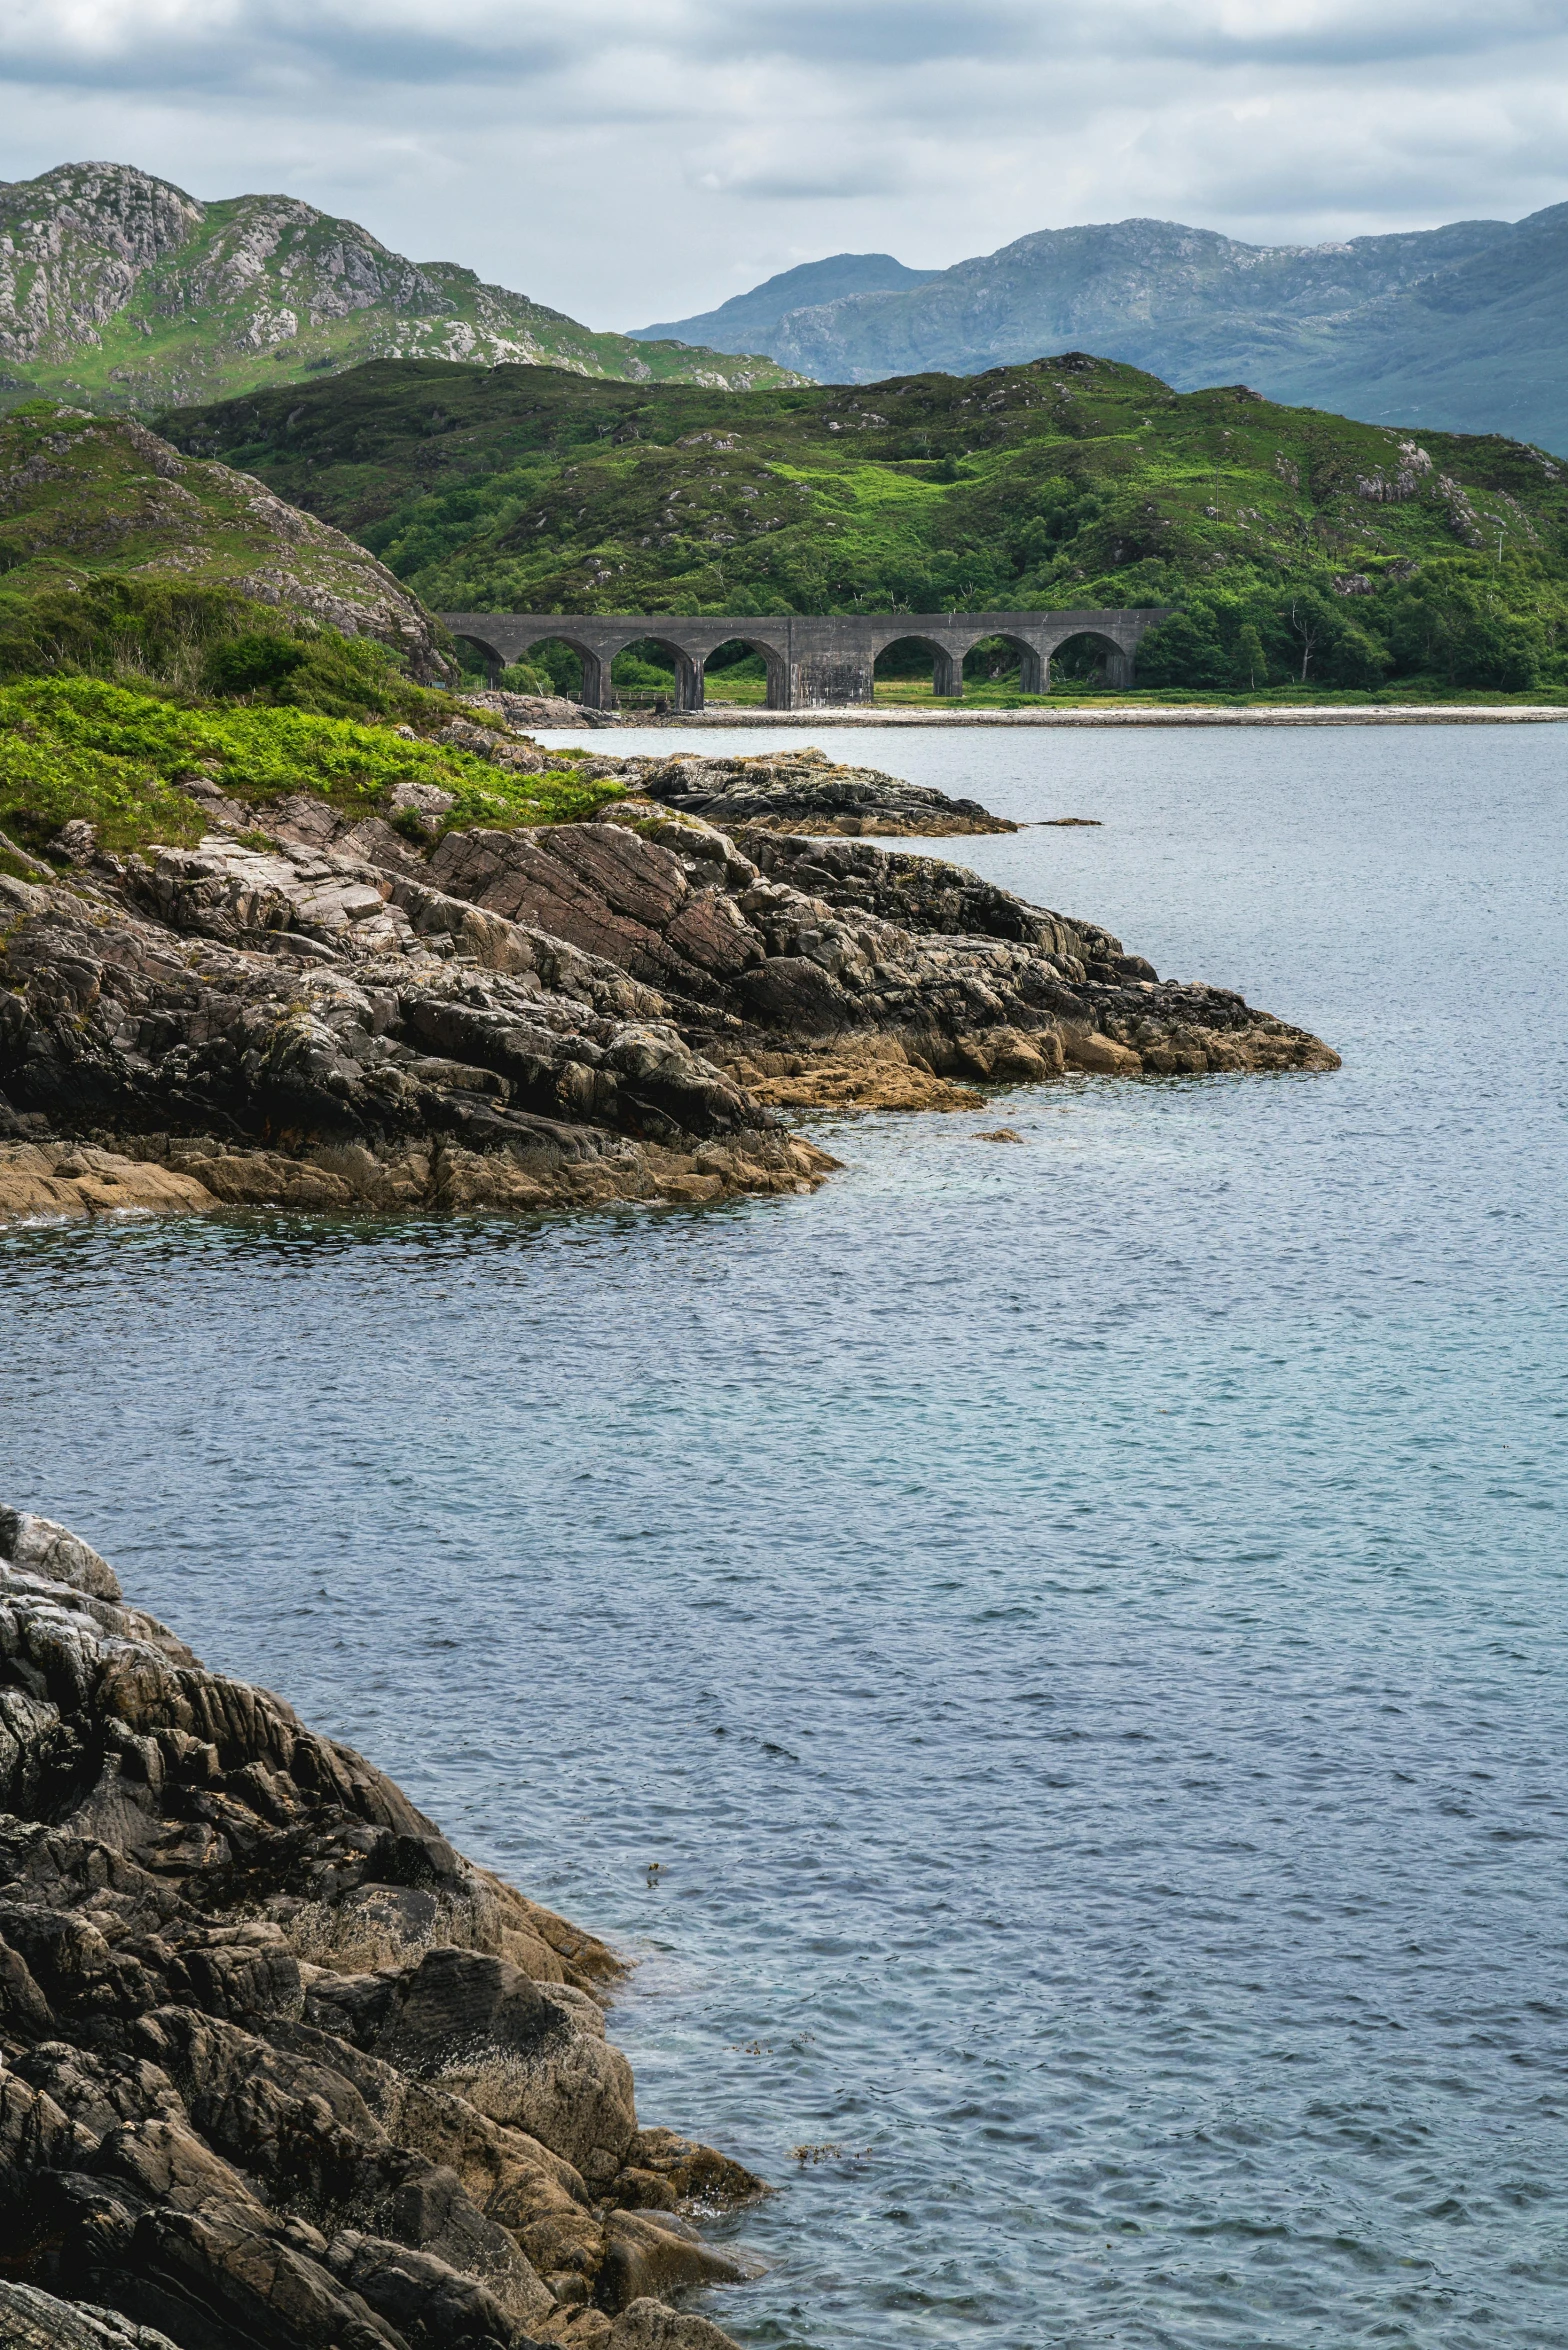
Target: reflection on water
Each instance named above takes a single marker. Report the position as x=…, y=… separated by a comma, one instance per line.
x=1079, y=1627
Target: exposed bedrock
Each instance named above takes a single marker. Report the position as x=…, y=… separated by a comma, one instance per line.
x=805, y=791
x=782, y=956
x=313, y=1011
x=279, y=2069
x=296, y=1023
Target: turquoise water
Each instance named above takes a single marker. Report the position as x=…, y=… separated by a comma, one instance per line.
x=1080, y=1627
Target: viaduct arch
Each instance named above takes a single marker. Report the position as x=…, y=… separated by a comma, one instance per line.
x=811, y=662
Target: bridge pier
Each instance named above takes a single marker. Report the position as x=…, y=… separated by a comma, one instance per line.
x=947, y=676
x=1034, y=670
x=824, y=680
x=598, y=693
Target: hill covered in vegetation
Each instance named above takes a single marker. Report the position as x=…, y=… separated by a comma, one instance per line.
x=1296, y=545
x=110, y=538
x=120, y=291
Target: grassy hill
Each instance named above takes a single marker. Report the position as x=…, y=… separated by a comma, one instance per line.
x=106, y=531
x=1297, y=545
x=120, y=291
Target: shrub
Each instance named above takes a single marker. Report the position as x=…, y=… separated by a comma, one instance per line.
x=253, y=662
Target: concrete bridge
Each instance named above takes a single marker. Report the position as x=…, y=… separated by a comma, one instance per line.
x=810, y=661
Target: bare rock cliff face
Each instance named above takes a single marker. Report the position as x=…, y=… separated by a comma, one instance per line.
x=279, y=2068
x=73, y=247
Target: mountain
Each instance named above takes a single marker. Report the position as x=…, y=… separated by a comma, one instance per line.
x=764, y=309
x=1068, y=482
x=118, y=290
x=1484, y=340
x=1464, y=328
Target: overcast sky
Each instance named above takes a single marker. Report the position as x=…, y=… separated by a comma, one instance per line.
x=630, y=160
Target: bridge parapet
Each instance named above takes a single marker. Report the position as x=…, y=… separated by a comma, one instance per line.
x=813, y=662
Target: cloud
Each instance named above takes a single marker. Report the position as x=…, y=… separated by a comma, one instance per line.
x=632, y=159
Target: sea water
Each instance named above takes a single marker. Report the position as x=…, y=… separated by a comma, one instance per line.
x=1051, y=1656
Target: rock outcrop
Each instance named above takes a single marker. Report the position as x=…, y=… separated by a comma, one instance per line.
x=288, y=1023
x=785, y=791
x=124, y=287
x=323, y=1012
x=805, y=791
x=278, y=2067
x=778, y=953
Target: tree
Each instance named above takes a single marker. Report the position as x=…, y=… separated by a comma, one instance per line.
x=1251, y=661
x=1185, y=650
x=1306, y=619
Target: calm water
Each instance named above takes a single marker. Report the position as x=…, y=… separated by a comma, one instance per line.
x=1080, y=1628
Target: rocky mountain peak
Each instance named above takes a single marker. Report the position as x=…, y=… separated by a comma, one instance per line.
x=118, y=289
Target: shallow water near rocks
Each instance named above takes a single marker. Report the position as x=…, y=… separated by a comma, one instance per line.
x=1079, y=1628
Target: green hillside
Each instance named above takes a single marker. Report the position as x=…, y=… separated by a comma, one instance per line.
x=108, y=533
x=120, y=291
x=1291, y=540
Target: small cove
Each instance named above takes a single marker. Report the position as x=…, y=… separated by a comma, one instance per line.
x=1079, y=1628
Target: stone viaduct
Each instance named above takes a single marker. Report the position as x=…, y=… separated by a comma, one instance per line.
x=810, y=661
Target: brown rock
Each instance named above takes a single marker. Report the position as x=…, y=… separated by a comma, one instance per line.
x=647, y=2255
x=649, y=2325
x=47, y=1180
x=1101, y=1055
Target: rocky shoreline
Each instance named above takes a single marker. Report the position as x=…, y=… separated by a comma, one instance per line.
x=340, y=1013
x=783, y=791
x=278, y=2067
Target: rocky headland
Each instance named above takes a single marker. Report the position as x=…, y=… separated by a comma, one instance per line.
x=781, y=791
x=279, y=2069
x=324, y=1011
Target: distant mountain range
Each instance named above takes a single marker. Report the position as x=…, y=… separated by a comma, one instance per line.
x=1463, y=328
x=120, y=291
x=793, y=291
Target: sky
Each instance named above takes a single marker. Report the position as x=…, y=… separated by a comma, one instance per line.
x=633, y=160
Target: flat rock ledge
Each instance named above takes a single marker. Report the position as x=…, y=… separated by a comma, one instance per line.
x=161, y=1174
x=278, y=2067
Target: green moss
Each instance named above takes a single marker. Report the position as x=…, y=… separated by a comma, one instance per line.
x=82, y=747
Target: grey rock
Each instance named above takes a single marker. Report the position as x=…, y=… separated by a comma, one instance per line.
x=208, y=2130
x=30, y=2320
x=805, y=791
x=41, y=1547
x=542, y=1015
